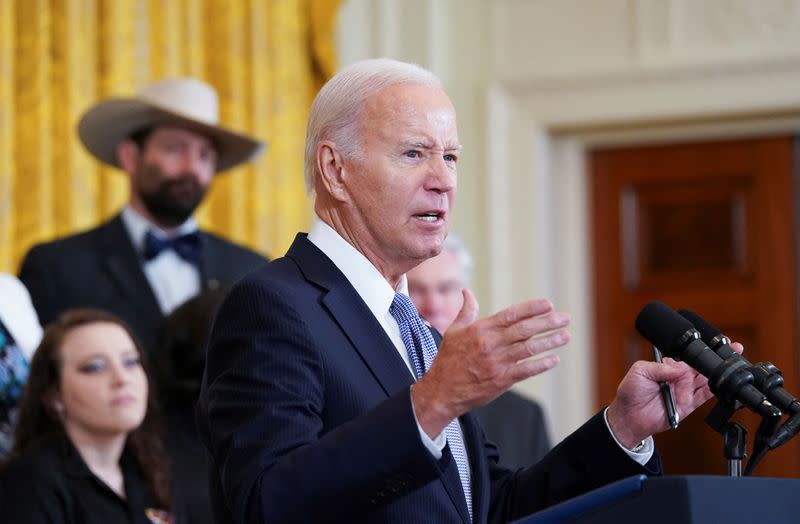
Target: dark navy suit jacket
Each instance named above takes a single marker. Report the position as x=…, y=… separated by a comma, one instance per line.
x=306, y=411
x=100, y=268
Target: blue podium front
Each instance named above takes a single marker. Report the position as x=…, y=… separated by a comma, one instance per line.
x=681, y=499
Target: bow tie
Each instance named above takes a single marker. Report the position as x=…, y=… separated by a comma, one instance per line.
x=187, y=246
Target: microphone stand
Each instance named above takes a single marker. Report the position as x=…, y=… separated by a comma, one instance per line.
x=734, y=448
x=734, y=435
x=734, y=441
x=765, y=433
x=768, y=379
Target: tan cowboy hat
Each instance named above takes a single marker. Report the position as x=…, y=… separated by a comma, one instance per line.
x=185, y=102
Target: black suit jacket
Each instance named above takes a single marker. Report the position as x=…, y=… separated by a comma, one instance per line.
x=305, y=408
x=100, y=268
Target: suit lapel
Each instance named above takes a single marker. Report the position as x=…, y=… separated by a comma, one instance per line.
x=363, y=330
x=353, y=316
x=212, y=265
x=123, y=265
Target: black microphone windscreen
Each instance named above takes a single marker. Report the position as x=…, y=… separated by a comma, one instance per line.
x=707, y=331
x=676, y=337
x=661, y=325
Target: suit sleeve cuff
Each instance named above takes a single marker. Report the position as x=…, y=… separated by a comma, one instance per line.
x=642, y=456
x=435, y=445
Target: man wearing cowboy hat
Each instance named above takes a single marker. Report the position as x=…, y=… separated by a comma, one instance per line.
x=151, y=257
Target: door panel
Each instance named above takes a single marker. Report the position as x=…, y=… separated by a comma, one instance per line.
x=707, y=227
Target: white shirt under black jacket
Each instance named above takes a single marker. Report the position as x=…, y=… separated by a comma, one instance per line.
x=376, y=292
x=172, y=279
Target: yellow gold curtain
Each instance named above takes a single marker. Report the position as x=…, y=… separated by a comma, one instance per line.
x=266, y=58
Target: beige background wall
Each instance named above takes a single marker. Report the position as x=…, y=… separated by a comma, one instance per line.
x=537, y=82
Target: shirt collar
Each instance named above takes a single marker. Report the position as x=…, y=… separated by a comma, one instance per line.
x=76, y=467
x=74, y=464
x=368, y=282
x=138, y=226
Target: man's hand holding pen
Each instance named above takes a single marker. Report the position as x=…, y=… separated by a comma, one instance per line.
x=666, y=395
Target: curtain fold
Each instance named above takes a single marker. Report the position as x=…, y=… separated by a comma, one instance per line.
x=266, y=58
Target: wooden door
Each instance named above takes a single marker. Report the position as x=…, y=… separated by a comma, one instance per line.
x=707, y=227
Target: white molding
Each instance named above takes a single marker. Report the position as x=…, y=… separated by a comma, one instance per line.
x=675, y=70
x=386, y=29
x=572, y=283
x=497, y=190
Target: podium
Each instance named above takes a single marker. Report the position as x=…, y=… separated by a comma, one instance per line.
x=683, y=499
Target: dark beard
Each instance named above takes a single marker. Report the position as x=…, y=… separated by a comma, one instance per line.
x=174, y=201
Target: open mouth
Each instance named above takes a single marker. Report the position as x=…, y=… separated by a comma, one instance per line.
x=430, y=216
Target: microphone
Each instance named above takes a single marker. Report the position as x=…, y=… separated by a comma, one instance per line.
x=766, y=376
x=676, y=337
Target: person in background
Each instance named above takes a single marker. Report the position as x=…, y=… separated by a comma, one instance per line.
x=87, y=445
x=179, y=364
x=325, y=397
x=516, y=424
x=20, y=333
x=152, y=256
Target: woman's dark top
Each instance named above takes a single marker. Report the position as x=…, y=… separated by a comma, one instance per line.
x=51, y=483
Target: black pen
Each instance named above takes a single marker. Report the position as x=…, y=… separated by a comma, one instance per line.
x=666, y=394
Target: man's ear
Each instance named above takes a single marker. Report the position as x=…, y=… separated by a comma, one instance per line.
x=128, y=155
x=332, y=173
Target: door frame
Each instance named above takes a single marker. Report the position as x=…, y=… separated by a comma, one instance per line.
x=540, y=168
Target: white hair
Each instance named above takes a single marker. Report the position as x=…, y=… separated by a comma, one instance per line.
x=336, y=111
x=454, y=245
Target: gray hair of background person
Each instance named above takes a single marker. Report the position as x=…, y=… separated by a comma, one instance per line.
x=337, y=109
x=454, y=245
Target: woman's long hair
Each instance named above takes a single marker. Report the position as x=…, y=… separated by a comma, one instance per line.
x=38, y=419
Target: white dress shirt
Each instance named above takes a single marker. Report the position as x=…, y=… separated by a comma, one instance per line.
x=172, y=279
x=376, y=292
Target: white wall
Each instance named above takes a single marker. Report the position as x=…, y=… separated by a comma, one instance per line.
x=536, y=82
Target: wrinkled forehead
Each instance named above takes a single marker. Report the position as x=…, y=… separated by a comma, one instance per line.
x=413, y=109
x=178, y=132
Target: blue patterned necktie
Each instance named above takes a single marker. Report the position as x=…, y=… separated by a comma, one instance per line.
x=187, y=246
x=422, y=350
x=13, y=373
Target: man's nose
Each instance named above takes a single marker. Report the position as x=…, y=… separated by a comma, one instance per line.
x=194, y=162
x=441, y=175
x=430, y=303
x=191, y=161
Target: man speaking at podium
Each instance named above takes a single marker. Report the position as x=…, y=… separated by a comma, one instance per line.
x=327, y=399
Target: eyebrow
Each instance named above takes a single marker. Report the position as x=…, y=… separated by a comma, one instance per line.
x=125, y=353
x=90, y=358
x=425, y=144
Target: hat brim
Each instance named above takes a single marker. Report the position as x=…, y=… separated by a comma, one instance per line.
x=104, y=126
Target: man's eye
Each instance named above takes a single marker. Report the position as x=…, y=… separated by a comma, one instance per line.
x=412, y=154
x=172, y=147
x=450, y=158
x=449, y=289
x=208, y=154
